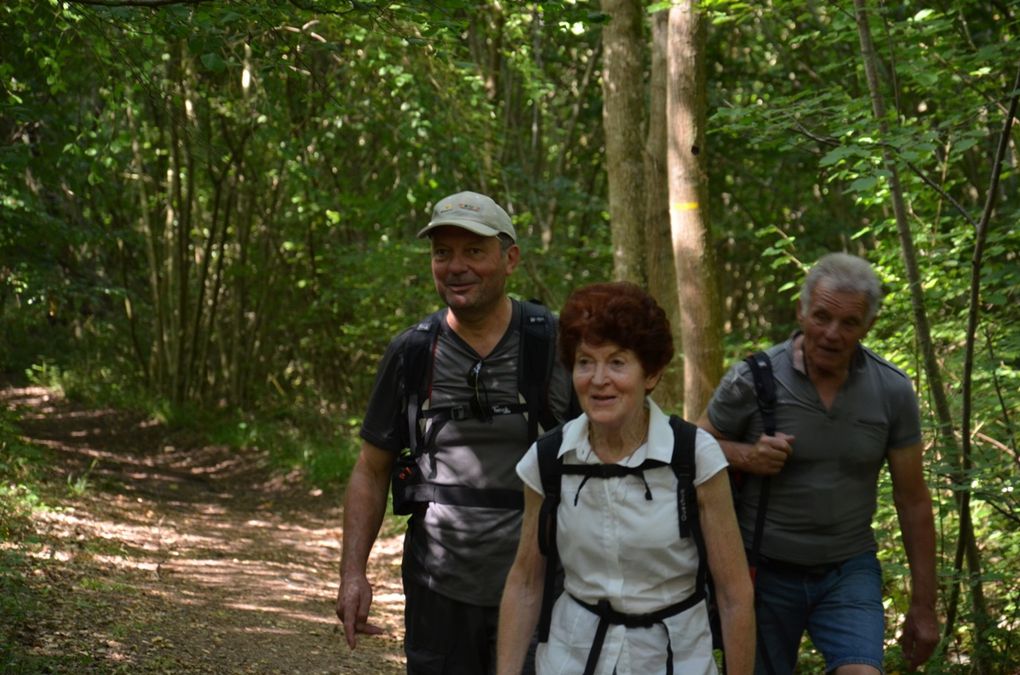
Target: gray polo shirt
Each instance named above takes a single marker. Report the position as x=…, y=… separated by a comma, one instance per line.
x=463, y=552
x=822, y=503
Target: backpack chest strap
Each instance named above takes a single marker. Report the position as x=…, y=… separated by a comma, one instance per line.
x=606, y=471
x=458, y=413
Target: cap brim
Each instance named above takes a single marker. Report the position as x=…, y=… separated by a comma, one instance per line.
x=469, y=225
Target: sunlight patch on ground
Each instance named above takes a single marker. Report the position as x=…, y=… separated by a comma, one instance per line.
x=155, y=537
x=198, y=545
x=93, y=453
x=326, y=618
x=48, y=553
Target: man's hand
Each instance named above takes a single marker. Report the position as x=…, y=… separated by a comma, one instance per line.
x=353, y=601
x=920, y=635
x=767, y=455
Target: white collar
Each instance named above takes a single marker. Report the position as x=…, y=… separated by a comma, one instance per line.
x=659, y=444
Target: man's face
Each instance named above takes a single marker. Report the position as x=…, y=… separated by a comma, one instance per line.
x=469, y=270
x=834, y=324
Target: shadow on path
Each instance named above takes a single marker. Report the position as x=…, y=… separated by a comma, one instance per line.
x=171, y=556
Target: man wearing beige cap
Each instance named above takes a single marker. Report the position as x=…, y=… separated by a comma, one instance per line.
x=458, y=398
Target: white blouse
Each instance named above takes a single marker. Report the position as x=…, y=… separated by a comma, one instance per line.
x=615, y=544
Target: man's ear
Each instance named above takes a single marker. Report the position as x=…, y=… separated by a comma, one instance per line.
x=513, y=257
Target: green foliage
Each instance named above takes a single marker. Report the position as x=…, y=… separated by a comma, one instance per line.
x=803, y=114
x=16, y=605
x=207, y=211
x=21, y=467
x=21, y=470
x=318, y=443
x=79, y=485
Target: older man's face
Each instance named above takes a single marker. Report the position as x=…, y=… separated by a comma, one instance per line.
x=834, y=324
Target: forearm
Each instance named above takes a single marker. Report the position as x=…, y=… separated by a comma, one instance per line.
x=736, y=615
x=918, y=527
x=364, y=510
x=737, y=454
x=518, y=616
x=522, y=594
x=735, y=594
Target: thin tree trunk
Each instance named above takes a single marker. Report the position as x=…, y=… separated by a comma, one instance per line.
x=980, y=238
x=568, y=144
x=659, y=246
x=187, y=206
x=966, y=533
x=125, y=265
x=700, y=315
x=241, y=294
x=158, y=360
x=175, y=260
x=178, y=227
x=623, y=118
x=202, y=281
x=216, y=327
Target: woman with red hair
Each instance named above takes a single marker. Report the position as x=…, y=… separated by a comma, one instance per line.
x=631, y=600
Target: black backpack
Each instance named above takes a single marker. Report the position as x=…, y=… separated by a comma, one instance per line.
x=412, y=488
x=551, y=469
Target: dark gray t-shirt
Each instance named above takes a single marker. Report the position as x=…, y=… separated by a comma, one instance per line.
x=463, y=552
x=821, y=504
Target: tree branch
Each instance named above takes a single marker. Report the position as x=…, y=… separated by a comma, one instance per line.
x=312, y=7
x=834, y=142
x=134, y=3
x=306, y=6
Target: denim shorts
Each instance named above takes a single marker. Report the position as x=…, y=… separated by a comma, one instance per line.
x=840, y=608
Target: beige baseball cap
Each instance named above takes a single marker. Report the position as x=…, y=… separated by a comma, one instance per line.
x=473, y=212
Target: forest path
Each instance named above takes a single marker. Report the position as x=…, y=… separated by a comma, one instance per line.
x=183, y=557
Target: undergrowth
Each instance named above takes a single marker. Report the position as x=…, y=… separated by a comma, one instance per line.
x=320, y=443
x=21, y=467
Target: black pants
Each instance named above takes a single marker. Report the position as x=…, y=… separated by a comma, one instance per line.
x=443, y=636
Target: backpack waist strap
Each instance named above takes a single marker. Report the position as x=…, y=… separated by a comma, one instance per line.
x=609, y=616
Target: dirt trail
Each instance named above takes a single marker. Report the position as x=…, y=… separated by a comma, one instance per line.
x=180, y=557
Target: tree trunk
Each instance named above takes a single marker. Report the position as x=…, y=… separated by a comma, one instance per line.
x=158, y=360
x=658, y=239
x=966, y=540
x=623, y=118
x=700, y=315
x=980, y=239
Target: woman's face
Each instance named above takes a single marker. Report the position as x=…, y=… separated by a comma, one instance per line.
x=611, y=384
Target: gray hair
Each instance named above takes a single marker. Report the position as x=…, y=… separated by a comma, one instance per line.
x=843, y=273
x=505, y=242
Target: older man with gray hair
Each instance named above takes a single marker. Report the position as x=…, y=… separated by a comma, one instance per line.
x=841, y=413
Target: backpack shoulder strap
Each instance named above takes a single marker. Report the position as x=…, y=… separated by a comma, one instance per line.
x=418, y=351
x=683, y=463
x=535, y=364
x=764, y=389
x=550, y=469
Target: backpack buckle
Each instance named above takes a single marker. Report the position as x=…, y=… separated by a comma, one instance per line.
x=460, y=413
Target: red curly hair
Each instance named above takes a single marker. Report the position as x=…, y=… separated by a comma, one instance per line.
x=618, y=312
